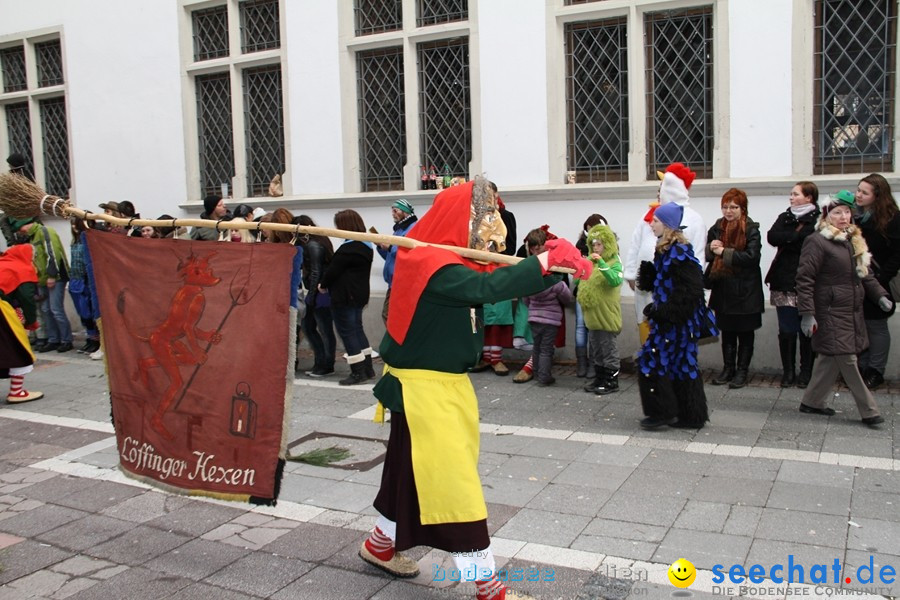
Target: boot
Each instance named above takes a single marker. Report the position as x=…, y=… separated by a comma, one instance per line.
x=598, y=380
x=729, y=352
x=357, y=372
x=745, y=353
x=787, y=343
x=610, y=383
x=581, y=362
x=807, y=358
x=369, y=370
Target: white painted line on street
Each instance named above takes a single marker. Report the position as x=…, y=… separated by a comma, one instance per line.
x=33, y=417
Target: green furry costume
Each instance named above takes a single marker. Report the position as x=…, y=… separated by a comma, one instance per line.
x=600, y=295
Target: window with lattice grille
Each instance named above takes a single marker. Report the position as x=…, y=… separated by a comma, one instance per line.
x=574, y=2
x=264, y=127
x=210, y=33
x=56, y=146
x=33, y=110
x=260, y=28
x=214, y=132
x=12, y=60
x=445, y=119
x=382, y=119
x=49, y=63
x=18, y=128
x=377, y=16
x=239, y=106
x=432, y=12
x=679, y=77
x=855, y=69
x=597, y=100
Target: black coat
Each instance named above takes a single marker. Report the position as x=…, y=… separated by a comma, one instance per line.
x=787, y=234
x=740, y=293
x=885, y=249
x=347, y=277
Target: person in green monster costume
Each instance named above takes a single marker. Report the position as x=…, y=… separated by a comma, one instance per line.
x=430, y=489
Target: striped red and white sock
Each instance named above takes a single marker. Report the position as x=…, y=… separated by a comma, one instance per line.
x=529, y=366
x=16, y=383
x=490, y=589
x=496, y=354
x=380, y=545
x=486, y=354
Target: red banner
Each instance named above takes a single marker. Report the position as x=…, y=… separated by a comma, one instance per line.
x=197, y=339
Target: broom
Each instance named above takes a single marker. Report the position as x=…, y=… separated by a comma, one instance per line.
x=21, y=198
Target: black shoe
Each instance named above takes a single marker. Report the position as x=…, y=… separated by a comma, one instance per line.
x=873, y=421
x=90, y=347
x=610, y=385
x=788, y=379
x=812, y=410
x=724, y=377
x=803, y=378
x=64, y=347
x=546, y=382
x=321, y=372
x=655, y=423
x=873, y=378
x=49, y=347
x=739, y=380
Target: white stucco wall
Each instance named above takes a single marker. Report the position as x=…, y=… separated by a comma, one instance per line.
x=123, y=97
x=512, y=64
x=760, y=87
x=314, y=97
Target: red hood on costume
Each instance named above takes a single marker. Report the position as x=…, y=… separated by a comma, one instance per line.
x=17, y=267
x=648, y=217
x=447, y=223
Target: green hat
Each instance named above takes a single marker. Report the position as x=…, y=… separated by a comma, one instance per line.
x=17, y=224
x=403, y=205
x=843, y=197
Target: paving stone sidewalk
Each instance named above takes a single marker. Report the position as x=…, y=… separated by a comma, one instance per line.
x=579, y=498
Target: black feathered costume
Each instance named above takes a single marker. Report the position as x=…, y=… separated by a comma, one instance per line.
x=669, y=377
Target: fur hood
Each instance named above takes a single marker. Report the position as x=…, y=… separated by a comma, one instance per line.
x=605, y=235
x=857, y=242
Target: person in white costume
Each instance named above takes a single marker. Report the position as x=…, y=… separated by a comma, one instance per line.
x=675, y=186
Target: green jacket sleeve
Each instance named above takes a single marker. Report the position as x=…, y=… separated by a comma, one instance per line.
x=613, y=273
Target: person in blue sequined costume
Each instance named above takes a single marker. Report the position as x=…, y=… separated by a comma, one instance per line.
x=669, y=378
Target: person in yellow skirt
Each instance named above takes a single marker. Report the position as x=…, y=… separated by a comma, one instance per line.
x=18, y=281
x=430, y=491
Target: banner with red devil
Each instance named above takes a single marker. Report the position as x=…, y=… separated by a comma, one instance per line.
x=198, y=339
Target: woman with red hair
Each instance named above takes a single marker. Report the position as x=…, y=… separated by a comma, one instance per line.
x=732, y=253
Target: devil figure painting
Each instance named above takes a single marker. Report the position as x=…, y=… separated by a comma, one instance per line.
x=198, y=340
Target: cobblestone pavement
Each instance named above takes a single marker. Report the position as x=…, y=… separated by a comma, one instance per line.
x=579, y=497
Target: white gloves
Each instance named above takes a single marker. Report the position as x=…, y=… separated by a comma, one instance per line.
x=808, y=325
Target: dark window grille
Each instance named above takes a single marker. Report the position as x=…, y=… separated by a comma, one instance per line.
x=445, y=119
x=855, y=73
x=597, y=100
x=263, y=127
x=56, y=146
x=12, y=61
x=574, y=2
x=49, y=63
x=382, y=119
x=679, y=51
x=432, y=12
x=18, y=129
x=377, y=16
x=210, y=33
x=214, y=132
x=260, y=25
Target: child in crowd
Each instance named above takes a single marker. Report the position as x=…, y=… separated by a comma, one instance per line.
x=599, y=298
x=545, y=314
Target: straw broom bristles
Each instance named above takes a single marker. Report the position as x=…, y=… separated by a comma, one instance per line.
x=22, y=198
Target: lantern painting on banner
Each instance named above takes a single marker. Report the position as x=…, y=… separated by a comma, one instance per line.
x=199, y=342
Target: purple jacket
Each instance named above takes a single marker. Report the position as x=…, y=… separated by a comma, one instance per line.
x=547, y=306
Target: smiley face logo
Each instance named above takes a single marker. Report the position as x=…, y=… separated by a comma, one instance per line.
x=682, y=573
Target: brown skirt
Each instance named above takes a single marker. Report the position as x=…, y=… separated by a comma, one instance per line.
x=398, y=501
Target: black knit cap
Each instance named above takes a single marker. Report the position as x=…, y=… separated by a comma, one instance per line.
x=210, y=202
x=16, y=162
